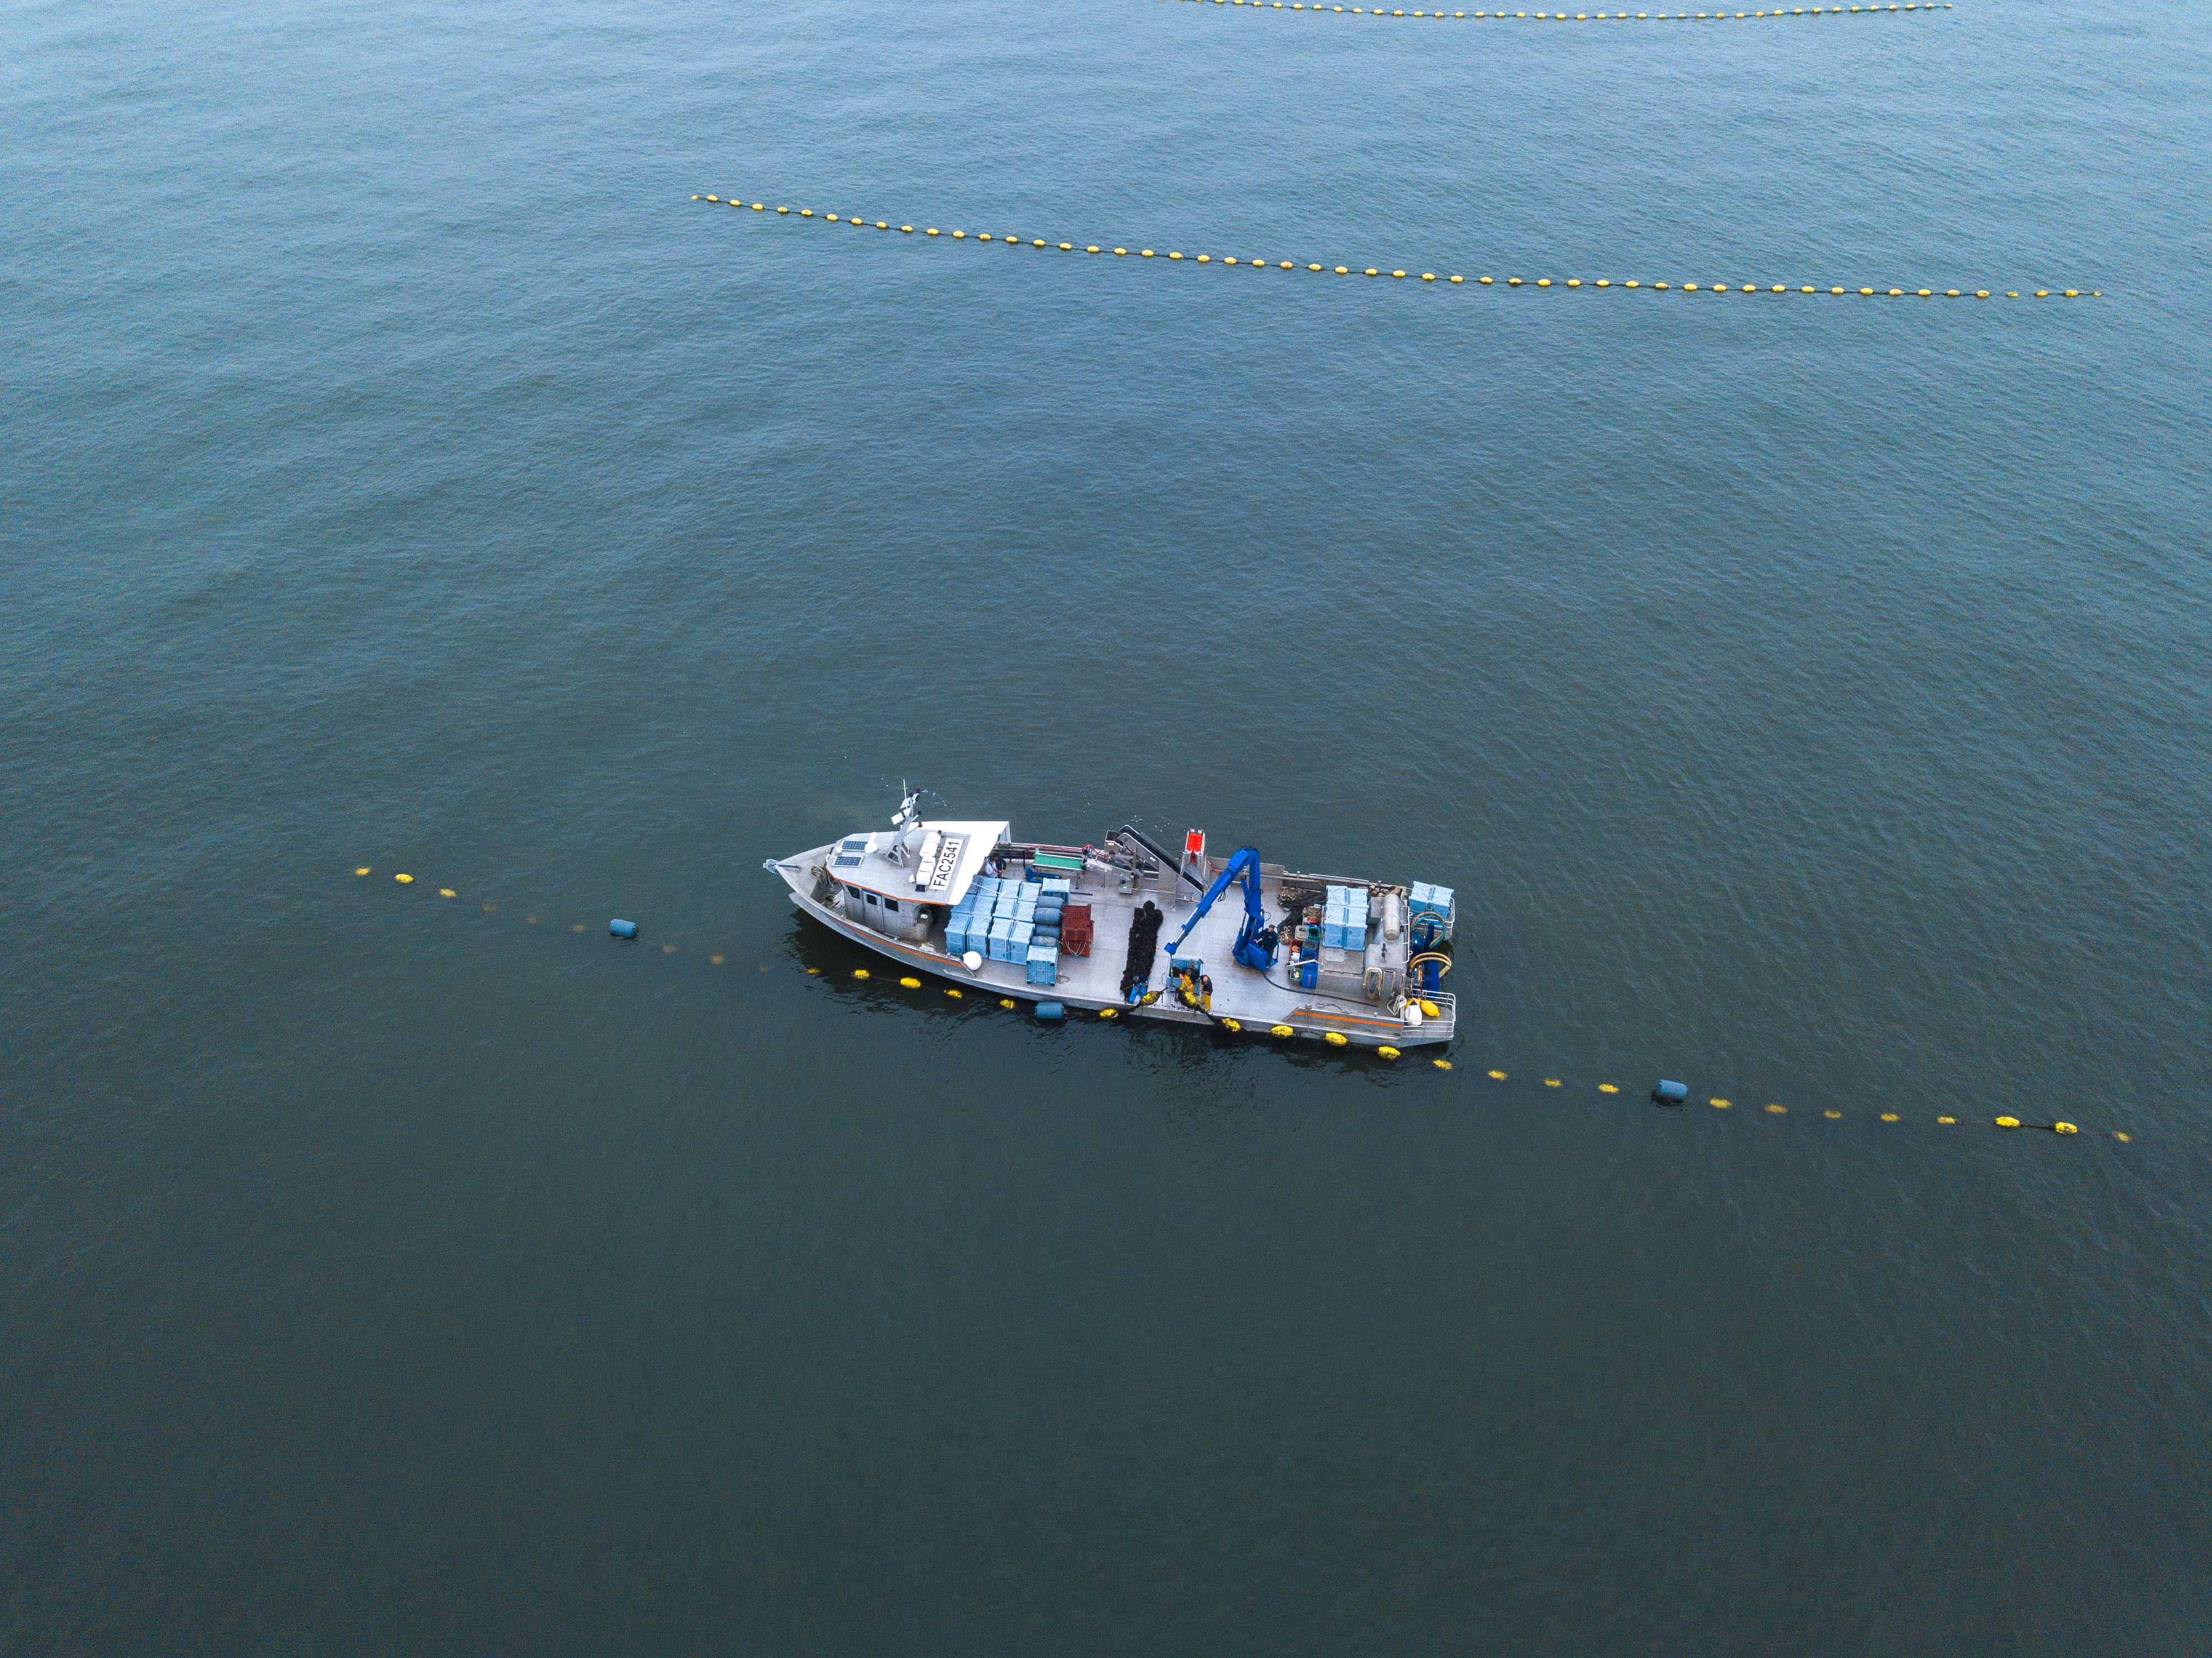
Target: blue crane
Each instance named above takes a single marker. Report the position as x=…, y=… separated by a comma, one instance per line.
x=1256, y=944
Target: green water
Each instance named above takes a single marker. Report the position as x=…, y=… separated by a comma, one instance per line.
x=1805, y=697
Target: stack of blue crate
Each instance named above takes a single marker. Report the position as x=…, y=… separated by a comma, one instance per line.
x=963, y=931
x=1344, y=919
x=1432, y=907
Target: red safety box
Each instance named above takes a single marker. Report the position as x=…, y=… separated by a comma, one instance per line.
x=1075, y=930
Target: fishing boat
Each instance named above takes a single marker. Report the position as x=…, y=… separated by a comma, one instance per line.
x=1127, y=929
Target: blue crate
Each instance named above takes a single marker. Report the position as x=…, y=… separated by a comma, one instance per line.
x=1024, y=935
x=1431, y=906
x=1059, y=884
x=1044, y=970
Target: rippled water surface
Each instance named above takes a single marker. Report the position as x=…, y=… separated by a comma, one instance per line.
x=1806, y=696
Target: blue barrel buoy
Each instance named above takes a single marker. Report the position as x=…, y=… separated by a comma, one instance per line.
x=1668, y=1093
x=1050, y=1011
x=623, y=929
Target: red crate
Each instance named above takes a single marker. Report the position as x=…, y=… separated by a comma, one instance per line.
x=1075, y=930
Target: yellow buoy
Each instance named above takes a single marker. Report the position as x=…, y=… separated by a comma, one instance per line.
x=1281, y=1031
x=1103, y=1012
x=1231, y=1025
x=953, y=993
x=2122, y=1137
x=1608, y=1088
x=1891, y=1117
x=1428, y=275
x=1720, y=1105
x=859, y=973
x=1006, y=1001
x=1441, y=1064
x=1459, y=279
x=1430, y=1010
x=717, y=960
x=2064, y=1128
x=1551, y=1082
x=1832, y=1115
x=446, y=892
x=910, y=984
x=362, y=871
x=1387, y=1053
x=1334, y=1038
x=404, y=880
x=1498, y=1075
x=2008, y=1122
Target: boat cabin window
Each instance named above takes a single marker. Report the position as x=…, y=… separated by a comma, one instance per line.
x=870, y=896
x=891, y=904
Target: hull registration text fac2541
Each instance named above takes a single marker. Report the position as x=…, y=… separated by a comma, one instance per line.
x=1129, y=927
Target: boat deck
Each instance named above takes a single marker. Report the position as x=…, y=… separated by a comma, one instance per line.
x=1253, y=1000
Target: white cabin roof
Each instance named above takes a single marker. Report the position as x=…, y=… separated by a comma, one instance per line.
x=957, y=851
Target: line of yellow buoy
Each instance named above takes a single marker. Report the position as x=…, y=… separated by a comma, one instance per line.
x=1539, y=284
x=910, y=982
x=1577, y=17
x=1775, y=1109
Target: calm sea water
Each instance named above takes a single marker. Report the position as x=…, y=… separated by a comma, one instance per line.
x=1807, y=698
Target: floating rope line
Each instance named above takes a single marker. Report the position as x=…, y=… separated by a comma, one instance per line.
x=981, y=996
x=1536, y=285
x=1578, y=17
